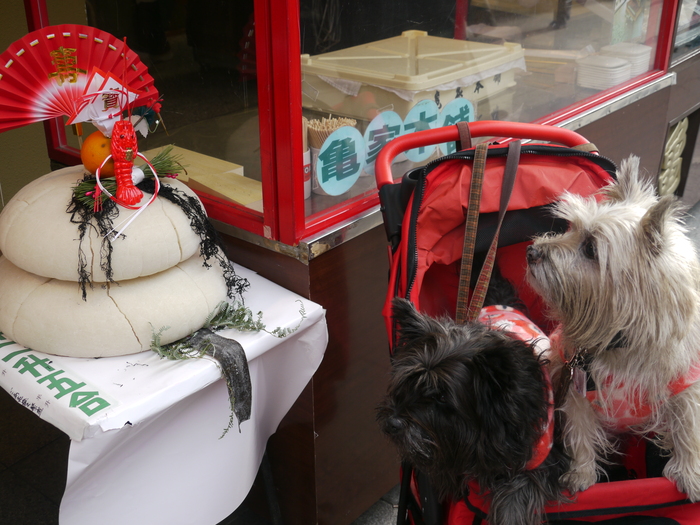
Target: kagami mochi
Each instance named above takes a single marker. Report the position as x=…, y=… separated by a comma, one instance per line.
x=93, y=263
x=37, y=235
x=168, y=271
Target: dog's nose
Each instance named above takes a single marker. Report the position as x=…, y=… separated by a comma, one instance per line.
x=534, y=255
x=394, y=425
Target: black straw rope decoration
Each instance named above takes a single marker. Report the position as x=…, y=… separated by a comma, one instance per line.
x=210, y=245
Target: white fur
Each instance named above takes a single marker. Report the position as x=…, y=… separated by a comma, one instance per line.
x=643, y=284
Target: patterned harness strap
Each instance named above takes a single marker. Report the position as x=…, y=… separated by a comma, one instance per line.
x=618, y=411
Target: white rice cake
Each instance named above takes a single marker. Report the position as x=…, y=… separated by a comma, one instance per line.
x=36, y=233
x=50, y=316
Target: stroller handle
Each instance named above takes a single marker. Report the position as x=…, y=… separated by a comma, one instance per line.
x=483, y=128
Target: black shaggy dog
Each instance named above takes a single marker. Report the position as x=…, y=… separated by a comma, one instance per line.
x=468, y=403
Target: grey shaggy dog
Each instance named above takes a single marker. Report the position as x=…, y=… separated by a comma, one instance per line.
x=466, y=403
x=624, y=282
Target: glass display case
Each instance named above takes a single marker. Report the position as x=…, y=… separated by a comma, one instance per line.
x=279, y=108
x=687, y=34
x=376, y=71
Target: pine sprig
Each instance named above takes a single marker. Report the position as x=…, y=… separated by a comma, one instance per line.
x=225, y=315
x=165, y=163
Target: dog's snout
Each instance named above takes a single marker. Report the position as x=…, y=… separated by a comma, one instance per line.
x=394, y=425
x=534, y=255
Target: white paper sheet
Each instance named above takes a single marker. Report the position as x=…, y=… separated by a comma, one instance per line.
x=155, y=454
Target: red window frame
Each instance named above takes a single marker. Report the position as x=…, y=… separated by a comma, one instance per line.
x=277, y=36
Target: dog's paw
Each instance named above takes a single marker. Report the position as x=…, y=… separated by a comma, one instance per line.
x=579, y=479
x=688, y=483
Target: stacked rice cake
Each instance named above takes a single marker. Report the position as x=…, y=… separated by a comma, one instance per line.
x=160, y=279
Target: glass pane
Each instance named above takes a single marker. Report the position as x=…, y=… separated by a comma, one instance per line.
x=397, y=67
x=202, y=58
x=688, y=29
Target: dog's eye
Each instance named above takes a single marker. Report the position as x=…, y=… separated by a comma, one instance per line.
x=441, y=399
x=588, y=248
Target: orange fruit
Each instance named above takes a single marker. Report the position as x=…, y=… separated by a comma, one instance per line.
x=95, y=149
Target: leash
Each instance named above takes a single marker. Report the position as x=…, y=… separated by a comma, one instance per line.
x=470, y=313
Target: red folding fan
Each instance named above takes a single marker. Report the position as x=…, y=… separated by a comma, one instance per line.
x=62, y=70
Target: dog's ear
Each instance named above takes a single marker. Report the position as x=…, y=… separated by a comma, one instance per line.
x=508, y=387
x=411, y=324
x=629, y=187
x=656, y=220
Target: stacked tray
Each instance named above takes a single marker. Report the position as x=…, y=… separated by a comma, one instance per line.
x=602, y=72
x=638, y=55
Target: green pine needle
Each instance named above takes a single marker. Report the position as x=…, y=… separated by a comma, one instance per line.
x=165, y=164
x=225, y=315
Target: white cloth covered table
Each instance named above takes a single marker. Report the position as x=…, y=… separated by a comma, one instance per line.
x=146, y=433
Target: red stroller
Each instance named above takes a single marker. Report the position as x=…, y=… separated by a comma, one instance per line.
x=424, y=219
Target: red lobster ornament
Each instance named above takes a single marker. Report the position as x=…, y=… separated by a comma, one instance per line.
x=124, y=148
x=124, y=151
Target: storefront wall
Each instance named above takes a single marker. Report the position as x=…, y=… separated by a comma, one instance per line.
x=330, y=440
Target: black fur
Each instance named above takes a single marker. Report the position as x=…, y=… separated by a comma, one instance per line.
x=501, y=291
x=466, y=403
